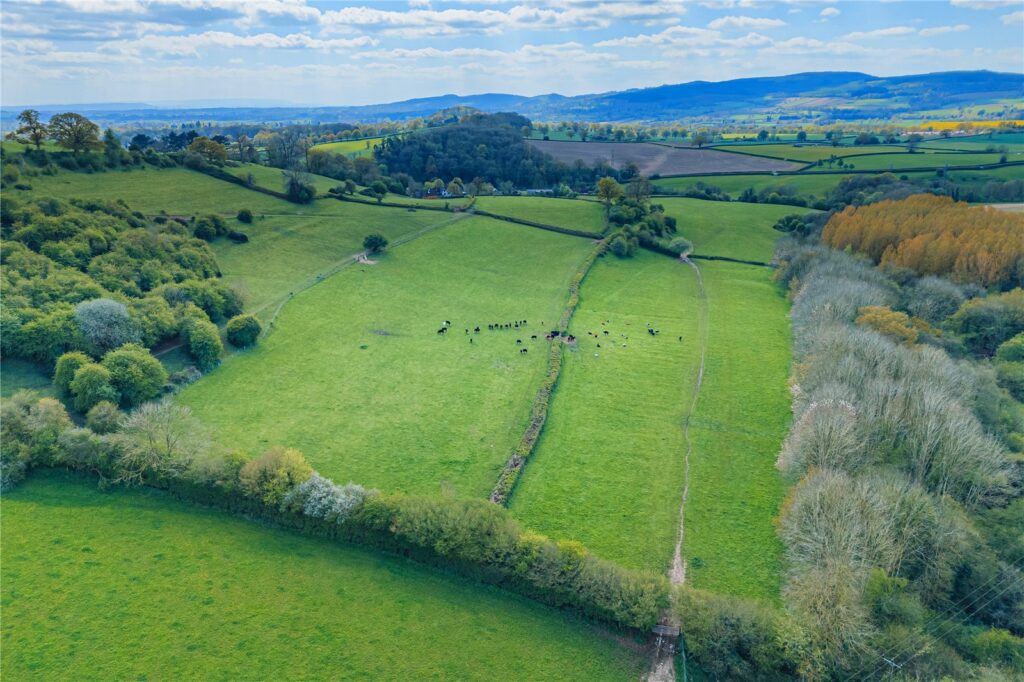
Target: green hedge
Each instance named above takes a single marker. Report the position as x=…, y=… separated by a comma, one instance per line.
x=539, y=410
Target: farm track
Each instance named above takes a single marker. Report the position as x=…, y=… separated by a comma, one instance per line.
x=677, y=573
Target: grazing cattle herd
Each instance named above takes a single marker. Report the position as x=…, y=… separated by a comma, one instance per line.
x=550, y=336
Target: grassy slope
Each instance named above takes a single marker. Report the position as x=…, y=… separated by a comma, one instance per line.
x=733, y=229
x=286, y=250
x=273, y=178
x=577, y=215
x=350, y=147
x=133, y=585
x=412, y=409
x=818, y=185
x=17, y=374
x=178, y=191
x=740, y=420
x=609, y=466
x=809, y=153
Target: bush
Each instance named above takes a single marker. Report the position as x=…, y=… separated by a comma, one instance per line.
x=987, y=323
x=159, y=440
x=298, y=187
x=136, y=374
x=681, y=245
x=272, y=475
x=243, y=330
x=320, y=498
x=238, y=237
x=186, y=375
x=104, y=417
x=204, y=344
x=1012, y=350
x=106, y=324
x=92, y=384
x=244, y=216
x=1011, y=377
x=64, y=372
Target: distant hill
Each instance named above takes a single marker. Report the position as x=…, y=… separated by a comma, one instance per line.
x=819, y=96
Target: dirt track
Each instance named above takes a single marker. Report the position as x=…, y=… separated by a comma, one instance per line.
x=655, y=159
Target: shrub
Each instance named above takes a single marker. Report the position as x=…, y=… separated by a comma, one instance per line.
x=320, y=498
x=888, y=322
x=375, y=243
x=238, y=237
x=681, y=245
x=204, y=344
x=243, y=330
x=298, y=187
x=1012, y=350
x=244, y=216
x=104, y=417
x=933, y=299
x=64, y=372
x=1011, y=377
x=273, y=474
x=159, y=439
x=136, y=374
x=92, y=384
x=106, y=324
x=186, y=375
x=986, y=323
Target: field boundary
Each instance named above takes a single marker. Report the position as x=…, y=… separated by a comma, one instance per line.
x=850, y=171
x=510, y=474
x=543, y=226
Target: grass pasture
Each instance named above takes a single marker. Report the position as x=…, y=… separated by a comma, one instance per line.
x=351, y=148
x=355, y=376
x=731, y=229
x=884, y=162
x=273, y=178
x=810, y=153
x=284, y=250
x=134, y=585
x=17, y=374
x=573, y=214
x=818, y=185
x=608, y=469
x=737, y=429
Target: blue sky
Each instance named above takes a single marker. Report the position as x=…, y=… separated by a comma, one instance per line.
x=340, y=53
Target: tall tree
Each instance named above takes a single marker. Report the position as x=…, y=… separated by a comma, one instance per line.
x=608, y=190
x=31, y=130
x=75, y=132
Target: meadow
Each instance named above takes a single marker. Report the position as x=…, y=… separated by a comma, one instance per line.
x=608, y=469
x=273, y=178
x=131, y=584
x=809, y=153
x=355, y=376
x=818, y=185
x=576, y=215
x=740, y=420
x=732, y=229
x=351, y=148
x=884, y=162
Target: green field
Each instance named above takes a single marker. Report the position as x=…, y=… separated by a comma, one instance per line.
x=886, y=162
x=350, y=148
x=134, y=585
x=178, y=191
x=733, y=229
x=818, y=184
x=608, y=469
x=355, y=376
x=273, y=178
x=577, y=215
x=18, y=374
x=285, y=251
x=809, y=153
x=741, y=418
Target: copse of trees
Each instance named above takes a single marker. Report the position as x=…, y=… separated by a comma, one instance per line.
x=163, y=445
x=897, y=449
x=935, y=235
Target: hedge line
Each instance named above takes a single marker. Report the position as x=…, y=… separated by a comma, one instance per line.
x=665, y=251
x=221, y=174
x=539, y=410
x=391, y=204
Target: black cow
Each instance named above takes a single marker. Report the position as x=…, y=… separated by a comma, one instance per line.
x=533, y=338
x=524, y=350
x=442, y=330
x=519, y=342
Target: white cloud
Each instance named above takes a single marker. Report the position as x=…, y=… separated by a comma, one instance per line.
x=939, y=30
x=879, y=33
x=1013, y=18
x=28, y=46
x=191, y=45
x=674, y=35
x=740, y=22
x=829, y=12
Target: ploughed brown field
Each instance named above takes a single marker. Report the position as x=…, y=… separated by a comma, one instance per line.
x=655, y=159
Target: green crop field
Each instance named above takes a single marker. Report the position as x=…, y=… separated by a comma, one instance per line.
x=351, y=148
x=885, y=162
x=737, y=429
x=809, y=153
x=134, y=585
x=285, y=251
x=356, y=377
x=608, y=469
x=733, y=229
x=574, y=214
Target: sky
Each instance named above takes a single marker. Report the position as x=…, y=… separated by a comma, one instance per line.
x=307, y=52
